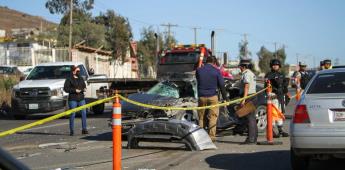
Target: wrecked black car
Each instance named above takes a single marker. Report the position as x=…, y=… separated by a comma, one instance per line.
x=184, y=94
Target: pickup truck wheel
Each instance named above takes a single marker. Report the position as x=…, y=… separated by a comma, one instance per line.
x=19, y=117
x=98, y=109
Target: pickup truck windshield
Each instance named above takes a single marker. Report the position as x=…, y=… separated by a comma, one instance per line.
x=182, y=58
x=52, y=72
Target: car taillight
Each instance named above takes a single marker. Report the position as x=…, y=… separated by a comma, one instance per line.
x=301, y=114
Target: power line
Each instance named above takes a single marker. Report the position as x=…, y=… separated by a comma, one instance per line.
x=169, y=26
x=195, y=34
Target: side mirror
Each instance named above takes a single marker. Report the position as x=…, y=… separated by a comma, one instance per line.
x=22, y=78
x=91, y=71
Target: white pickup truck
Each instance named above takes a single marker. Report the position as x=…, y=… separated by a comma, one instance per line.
x=42, y=90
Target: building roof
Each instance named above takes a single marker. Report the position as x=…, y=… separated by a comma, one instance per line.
x=60, y=63
x=93, y=50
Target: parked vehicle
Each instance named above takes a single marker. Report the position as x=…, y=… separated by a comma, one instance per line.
x=42, y=90
x=10, y=70
x=318, y=125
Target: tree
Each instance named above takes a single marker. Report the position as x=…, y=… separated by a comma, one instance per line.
x=118, y=33
x=244, y=51
x=147, y=48
x=169, y=40
x=62, y=6
x=84, y=29
x=265, y=56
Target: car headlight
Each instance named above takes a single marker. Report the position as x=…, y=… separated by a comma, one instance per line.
x=57, y=92
x=15, y=93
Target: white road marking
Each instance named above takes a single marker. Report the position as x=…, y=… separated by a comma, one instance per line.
x=51, y=144
x=43, y=127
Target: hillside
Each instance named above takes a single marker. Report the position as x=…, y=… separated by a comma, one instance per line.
x=10, y=19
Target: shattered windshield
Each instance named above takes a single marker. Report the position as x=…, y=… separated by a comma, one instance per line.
x=165, y=89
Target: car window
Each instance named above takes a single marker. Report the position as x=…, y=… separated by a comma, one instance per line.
x=6, y=70
x=165, y=89
x=328, y=83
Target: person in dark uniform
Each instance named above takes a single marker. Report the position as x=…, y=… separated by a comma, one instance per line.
x=248, y=87
x=209, y=79
x=279, y=92
x=75, y=87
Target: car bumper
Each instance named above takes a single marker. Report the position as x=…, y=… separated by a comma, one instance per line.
x=22, y=106
x=318, y=145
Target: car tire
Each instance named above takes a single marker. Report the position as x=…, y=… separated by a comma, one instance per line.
x=298, y=162
x=98, y=109
x=261, y=118
x=19, y=117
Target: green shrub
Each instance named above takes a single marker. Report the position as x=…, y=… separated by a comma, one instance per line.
x=6, y=85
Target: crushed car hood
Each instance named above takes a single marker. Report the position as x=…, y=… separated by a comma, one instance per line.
x=145, y=98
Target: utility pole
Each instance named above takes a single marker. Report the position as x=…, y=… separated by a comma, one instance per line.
x=169, y=30
x=195, y=33
x=275, y=50
x=297, y=58
x=245, y=41
x=70, y=30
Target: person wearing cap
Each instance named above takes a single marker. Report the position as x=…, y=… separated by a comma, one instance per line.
x=302, y=77
x=247, y=85
x=209, y=79
x=75, y=87
x=327, y=64
x=279, y=96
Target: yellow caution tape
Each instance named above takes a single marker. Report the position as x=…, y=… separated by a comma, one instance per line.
x=57, y=116
x=189, y=108
x=68, y=112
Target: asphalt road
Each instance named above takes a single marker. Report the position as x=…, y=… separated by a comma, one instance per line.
x=49, y=146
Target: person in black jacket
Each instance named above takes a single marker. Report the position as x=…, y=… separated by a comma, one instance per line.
x=279, y=92
x=75, y=87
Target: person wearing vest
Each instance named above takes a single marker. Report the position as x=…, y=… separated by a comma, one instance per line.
x=247, y=86
x=279, y=93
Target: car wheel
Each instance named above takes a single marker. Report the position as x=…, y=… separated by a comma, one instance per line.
x=19, y=117
x=298, y=162
x=98, y=109
x=261, y=118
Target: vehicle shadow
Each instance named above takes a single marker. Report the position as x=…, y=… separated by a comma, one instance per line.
x=269, y=160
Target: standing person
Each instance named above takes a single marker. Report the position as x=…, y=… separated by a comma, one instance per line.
x=75, y=87
x=327, y=64
x=248, y=87
x=302, y=77
x=209, y=80
x=279, y=93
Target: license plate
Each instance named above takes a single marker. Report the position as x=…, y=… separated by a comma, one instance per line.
x=340, y=116
x=33, y=106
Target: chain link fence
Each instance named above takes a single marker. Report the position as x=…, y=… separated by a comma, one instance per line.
x=27, y=56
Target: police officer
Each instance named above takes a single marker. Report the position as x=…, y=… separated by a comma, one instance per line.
x=327, y=64
x=279, y=91
x=248, y=87
x=302, y=77
x=209, y=79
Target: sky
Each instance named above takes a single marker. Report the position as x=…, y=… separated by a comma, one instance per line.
x=313, y=30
